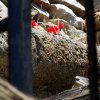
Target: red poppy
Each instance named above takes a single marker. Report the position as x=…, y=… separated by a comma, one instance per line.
x=60, y=26
x=52, y=29
x=33, y=23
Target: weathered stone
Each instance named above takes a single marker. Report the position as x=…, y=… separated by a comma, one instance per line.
x=33, y=13
x=44, y=4
x=81, y=2
x=68, y=29
x=98, y=37
x=5, y=2
x=3, y=11
x=77, y=8
x=63, y=12
x=3, y=44
x=97, y=21
x=58, y=61
x=96, y=4
x=9, y=92
x=3, y=55
x=42, y=15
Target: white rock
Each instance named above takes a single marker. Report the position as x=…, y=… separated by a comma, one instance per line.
x=3, y=11
x=97, y=4
x=77, y=8
x=82, y=80
x=63, y=12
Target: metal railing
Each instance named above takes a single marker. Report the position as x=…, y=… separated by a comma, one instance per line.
x=19, y=41
x=92, y=54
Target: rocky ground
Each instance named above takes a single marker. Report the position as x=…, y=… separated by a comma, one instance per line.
x=60, y=52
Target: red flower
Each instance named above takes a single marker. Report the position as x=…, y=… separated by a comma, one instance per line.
x=33, y=23
x=60, y=25
x=52, y=29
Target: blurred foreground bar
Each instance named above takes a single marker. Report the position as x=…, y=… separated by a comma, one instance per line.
x=19, y=41
x=92, y=54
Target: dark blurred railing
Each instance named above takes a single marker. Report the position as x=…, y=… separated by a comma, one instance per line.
x=92, y=54
x=19, y=41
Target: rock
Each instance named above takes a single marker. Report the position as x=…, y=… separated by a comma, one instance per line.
x=3, y=11
x=41, y=15
x=33, y=13
x=76, y=34
x=70, y=31
x=97, y=20
x=81, y=2
x=57, y=61
x=3, y=55
x=9, y=92
x=44, y=4
x=96, y=4
x=3, y=44
x=5, y=2
x=56, y=66
x=98, y=37
x=77, y=8
x=63, y=12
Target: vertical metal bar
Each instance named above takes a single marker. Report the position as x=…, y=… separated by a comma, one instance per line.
x=19, y=41
x=92, y=55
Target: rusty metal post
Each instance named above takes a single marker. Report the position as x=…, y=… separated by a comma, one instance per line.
x=92, y=55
